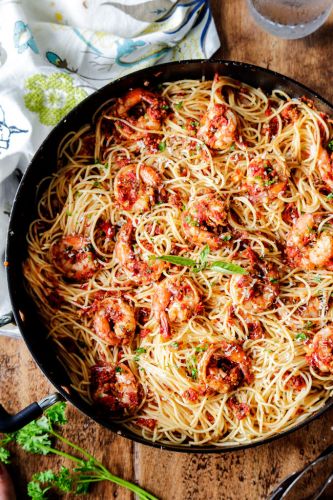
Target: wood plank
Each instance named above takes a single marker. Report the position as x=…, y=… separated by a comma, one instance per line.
x=307, y=59
x=256, y=471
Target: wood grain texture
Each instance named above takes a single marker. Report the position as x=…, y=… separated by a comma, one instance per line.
x=253, y=473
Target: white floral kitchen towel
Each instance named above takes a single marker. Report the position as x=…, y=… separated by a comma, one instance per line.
x=54, y=53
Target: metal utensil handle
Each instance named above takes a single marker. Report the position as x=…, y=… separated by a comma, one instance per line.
x=285, y=487
x=12, y=423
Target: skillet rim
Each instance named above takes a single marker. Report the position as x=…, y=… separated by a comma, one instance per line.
x=146, y=73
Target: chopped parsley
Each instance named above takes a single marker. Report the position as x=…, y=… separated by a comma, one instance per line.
x=273, y=280
x=191, y=365
x=96, y=184
x=191, y=222
x=232, y=147
x=139, y=351
x=227, y=237
x=162, y=146
x=330, y=145
x=165, y=106
x=301, y=336
x=194, y=124
x=118, y=369
x=308, y=325
x=269, y=183
x=329, y=196
x=201, y=348
x=175, y=345
x=317, y=279
x=179, y=105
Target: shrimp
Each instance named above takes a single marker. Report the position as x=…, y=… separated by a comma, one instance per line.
x=74, y=257
x=320, y=350
x=264, y=182
x=308, y=249
x=175, y=301
x=114, y=387
x=140, y=271
x=142, y=109
x=218, y=126
x=114, y=321
x=136, y=193
x=325, y=166
x=255, y=329
x=314, y=310
x=224, y=367
x=202, y=218
x=256, y=291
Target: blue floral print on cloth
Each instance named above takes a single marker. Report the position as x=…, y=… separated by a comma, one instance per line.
x=6, y=131
x=54, y=54
x=23, y=38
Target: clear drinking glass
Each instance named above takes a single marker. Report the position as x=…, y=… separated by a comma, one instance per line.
x=290, y=18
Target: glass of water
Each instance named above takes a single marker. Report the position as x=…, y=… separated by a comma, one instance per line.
x=290, y=18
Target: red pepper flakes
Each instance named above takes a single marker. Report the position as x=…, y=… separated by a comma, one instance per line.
x=191, y=395
x=144, y=332
x=241, y=410
x=149, y=423
x=296, y=382
x=210, y=417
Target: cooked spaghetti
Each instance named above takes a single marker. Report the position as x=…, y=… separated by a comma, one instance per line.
x=182, y=260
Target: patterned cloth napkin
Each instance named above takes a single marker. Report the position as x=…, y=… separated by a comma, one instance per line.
x=55, y=53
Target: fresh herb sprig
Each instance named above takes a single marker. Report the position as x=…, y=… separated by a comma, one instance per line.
x=38, y=437
x=201, y=264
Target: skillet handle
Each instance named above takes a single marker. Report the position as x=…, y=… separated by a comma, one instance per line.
x=12, y=423
x=8, y=327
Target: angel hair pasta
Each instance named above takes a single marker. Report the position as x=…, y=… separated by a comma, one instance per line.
x=182, y=260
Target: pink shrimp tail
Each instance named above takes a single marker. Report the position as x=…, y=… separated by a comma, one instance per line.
x=164, y=326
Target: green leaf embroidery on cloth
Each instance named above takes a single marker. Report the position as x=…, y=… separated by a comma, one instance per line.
x=52, y=96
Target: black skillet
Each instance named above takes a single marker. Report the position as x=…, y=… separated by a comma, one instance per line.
x=24, y=211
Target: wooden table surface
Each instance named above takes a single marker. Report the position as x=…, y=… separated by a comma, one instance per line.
x=252, y=473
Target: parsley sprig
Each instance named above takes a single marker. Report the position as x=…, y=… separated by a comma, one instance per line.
x=201, y=264
x=38, y=437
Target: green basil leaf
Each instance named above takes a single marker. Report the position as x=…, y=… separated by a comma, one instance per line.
x=179, y=261
x=204, y=254
x=228, y=267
